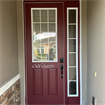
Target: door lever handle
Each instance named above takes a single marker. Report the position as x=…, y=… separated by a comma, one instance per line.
x=61, y=71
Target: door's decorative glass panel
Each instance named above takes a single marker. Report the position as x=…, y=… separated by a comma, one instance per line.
x=44, y=35
x=72, y=51
x=72, y=31
x=36, y=16
x=72, y=45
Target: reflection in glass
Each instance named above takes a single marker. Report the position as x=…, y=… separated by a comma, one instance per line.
x=43, y=15
x=36, y=27
x=52, y=54
x=72, y=31
x=72, y=16
x=44, y=27
x=37, y=55
x=45, y=44
x=51, y=15
x=36, y=16
x=72, y=59
x=72, y=45
x=72, y=87
x=52, y=27
x=72, y=73
x=44, y=35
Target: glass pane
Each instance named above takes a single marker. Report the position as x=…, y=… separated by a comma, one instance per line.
x=44, y=27
x=52, y=37
x=52, y=54
x=72, y=59
x=72, y=87
x=72, y=73
x=36, y=40
x=72, y=45
x=37, y=55
x=36, y=27
x=52, y=27
x=72, y=16
x=51, y=15
x=43, y=15
x=36, y=16
x=72, y=31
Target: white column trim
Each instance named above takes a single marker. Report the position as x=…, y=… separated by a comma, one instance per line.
x=8, y=84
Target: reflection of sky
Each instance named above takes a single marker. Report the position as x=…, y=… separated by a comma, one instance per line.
x=44, y=35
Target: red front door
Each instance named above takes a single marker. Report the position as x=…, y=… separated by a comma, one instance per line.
x=52, y=68
x=44, y=41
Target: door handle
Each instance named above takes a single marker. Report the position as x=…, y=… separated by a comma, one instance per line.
x=61, y=71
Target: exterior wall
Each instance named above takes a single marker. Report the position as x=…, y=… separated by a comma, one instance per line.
x=8, y=40
x=12, y=95
x=84, y=51
x=21, y=59
x=96, y=51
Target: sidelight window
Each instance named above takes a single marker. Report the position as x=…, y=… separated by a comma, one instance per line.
x=72, y=52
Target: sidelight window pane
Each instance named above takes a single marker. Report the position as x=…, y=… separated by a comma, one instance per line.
x=72, y=87
x=72, y=16
x=72, y=59
x=72, y=73
x=72, y=31
x=72, y=45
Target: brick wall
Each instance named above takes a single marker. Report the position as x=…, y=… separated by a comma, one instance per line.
x=12, y=95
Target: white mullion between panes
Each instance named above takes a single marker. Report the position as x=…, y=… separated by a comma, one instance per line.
x=71, y=38
x=71, y=23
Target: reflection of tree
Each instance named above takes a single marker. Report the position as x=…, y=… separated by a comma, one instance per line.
x=51, y=54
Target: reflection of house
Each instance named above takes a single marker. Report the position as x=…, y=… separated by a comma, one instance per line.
x=44, y=42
